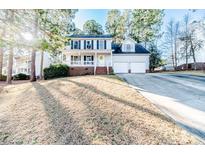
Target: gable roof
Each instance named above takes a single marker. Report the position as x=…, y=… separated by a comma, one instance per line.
x=139, y=49
x=90, y=36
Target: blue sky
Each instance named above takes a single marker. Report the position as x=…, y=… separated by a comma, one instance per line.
x=100, y=16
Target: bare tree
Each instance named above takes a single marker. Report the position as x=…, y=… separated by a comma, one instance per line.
x=176, y=33
x=170, y=39
x=195, y=45
x=186, y=34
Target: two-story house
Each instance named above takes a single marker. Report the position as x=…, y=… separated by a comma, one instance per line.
x=89, y=54
x=96, y=54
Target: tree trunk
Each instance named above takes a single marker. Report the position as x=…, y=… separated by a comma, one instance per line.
x=10, y=61
x=175, y=54
x=10, y=67
x=173, y=63
x=41, y=69
x=193, y=55
x=1, y=62
x=186, y=54
x=33, y=66
x=194, y=58
x=33, y=54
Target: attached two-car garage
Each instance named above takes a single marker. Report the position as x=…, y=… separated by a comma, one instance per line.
x=126, y=63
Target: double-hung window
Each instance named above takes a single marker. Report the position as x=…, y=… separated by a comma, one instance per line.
x=129, y=47
x=88, y=45
x=76, y=44
x=89, y=60
x=75, y=60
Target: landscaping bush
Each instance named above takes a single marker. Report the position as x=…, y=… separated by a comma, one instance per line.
x=55, y=71
x=21, y=76
x=3, y=78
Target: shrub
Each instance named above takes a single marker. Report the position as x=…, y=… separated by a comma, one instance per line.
x=3, y=77
x=21, y=76
x=55, y=71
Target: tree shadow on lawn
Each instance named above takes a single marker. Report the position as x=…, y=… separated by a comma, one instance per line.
x=65, y=127
x=108, y=123
x=124, y=85
x=125, y=102
x=108, y=130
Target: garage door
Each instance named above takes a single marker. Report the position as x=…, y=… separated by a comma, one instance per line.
x=120, y=67
x=137, y=67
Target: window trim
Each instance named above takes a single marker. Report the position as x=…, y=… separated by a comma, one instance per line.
x=76, y=61
x=74, y=44
x=90, y=43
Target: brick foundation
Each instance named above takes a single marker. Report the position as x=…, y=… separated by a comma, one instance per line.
x=103, y=70
x=77, y=71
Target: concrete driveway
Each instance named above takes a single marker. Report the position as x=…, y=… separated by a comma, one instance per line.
x=180, y=96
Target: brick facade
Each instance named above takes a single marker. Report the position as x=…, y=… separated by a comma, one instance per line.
x=77, y=71
x=103, y=70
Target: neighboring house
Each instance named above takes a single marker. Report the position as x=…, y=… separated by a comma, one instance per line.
x=89, y=54
x=93, y=54
x=22, y=63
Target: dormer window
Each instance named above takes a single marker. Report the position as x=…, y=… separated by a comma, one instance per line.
x=128, y=47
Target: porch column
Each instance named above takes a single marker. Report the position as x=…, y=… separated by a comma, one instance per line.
x=81, y=59
x=111, y=59
x=95, y=63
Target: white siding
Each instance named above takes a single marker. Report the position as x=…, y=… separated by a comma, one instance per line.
x=131, y=43
x=81, y=44
x=109, y=42
x=94, y=44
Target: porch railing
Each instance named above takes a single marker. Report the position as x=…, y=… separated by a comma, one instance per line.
x=88, y=62
x=75, y=62
x=84, y=63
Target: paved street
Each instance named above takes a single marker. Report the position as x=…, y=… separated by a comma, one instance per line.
x=181, y=96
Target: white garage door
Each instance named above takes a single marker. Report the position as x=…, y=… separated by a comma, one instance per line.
x=137, y=67
x=120, y=67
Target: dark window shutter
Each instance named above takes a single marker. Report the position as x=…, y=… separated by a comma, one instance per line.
x=79, y=44
x=105, y=45
x=92, y=44
x=71, y=44
x=97, y=44
x=84, y=44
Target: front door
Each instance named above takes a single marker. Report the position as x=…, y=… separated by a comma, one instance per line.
x=101, y=60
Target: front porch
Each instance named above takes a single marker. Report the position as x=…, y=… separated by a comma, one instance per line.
x=89, y=63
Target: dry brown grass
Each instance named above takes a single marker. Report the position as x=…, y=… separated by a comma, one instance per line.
x=83, y=110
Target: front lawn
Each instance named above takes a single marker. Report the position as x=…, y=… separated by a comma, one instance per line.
x=197, y=73
x=83, y=110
